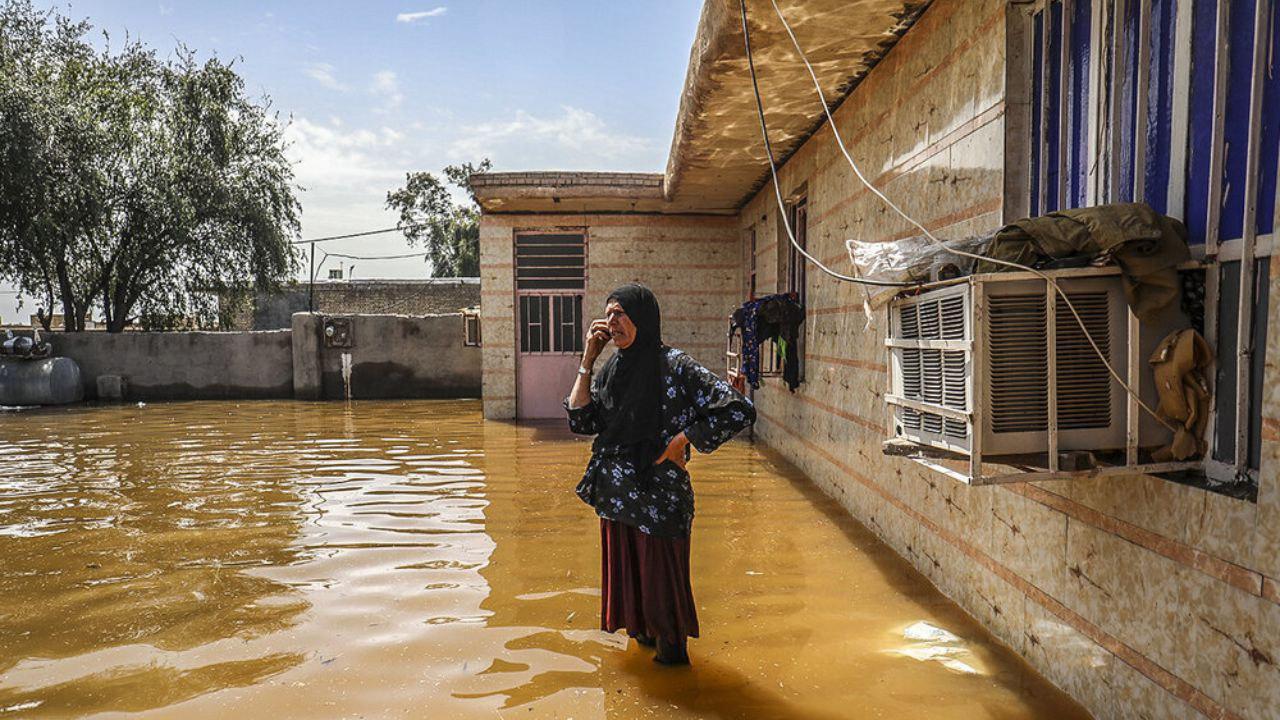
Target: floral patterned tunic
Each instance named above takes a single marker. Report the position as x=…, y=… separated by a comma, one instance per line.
x=697, y=402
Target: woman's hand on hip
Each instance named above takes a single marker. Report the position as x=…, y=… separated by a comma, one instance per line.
x=675, y=451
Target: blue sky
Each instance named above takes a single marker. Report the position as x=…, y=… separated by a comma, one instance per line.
x=376, y=89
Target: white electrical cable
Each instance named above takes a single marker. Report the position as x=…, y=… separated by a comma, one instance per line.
x=782, y=208
x=858, y=172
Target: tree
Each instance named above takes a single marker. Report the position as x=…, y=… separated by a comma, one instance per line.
x=142, y=186
x=450, y=232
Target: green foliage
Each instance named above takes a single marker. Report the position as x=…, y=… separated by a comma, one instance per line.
x=141, y=186
x=449, y=232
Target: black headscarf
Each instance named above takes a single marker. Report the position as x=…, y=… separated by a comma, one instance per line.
x=631, y=381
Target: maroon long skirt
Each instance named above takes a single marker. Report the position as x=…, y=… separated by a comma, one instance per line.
x=645, y=584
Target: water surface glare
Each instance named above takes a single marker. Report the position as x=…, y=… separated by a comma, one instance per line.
x=409, y=559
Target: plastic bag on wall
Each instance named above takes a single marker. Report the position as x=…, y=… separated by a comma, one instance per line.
x=912, y=260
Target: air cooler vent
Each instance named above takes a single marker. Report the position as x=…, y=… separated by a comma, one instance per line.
x=1019, y=373
x=932, y=375
x=1017, y=368
x=1084, y=385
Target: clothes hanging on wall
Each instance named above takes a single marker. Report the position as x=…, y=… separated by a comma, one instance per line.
x=772, y=317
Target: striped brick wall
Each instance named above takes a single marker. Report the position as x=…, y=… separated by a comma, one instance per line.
x=1140, y=597
x=693, y=264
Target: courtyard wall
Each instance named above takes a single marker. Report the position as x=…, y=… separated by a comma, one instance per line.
x=393, y=356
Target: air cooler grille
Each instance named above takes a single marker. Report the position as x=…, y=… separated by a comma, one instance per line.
x=934, y=376
x=1084, y=385
x=1018, y=368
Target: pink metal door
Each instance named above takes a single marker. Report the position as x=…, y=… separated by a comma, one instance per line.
x=550, y=280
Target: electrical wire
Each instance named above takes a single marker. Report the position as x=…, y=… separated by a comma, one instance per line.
x=357, y=235
x=374, y=257
x=773, y=169
x=871, y=187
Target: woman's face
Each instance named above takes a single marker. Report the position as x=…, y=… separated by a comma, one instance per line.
x=621, y=329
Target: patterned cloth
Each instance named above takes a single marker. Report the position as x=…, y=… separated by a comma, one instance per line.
x=772, y=317
x=659, y=500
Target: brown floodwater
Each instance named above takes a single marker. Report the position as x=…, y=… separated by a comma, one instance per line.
x=409, y=559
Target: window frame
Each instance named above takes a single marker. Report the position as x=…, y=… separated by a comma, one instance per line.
x=472, y=332
x=796, y=278
x=1107, y=178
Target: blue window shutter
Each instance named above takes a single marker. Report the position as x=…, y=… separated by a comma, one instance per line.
x=1200, y=119
x=1053, y=111
x=1236, y=128
x=1270, y=149
x=1160, y=105
x=1128, y=100
x=1037, y=109
x=1078, y=102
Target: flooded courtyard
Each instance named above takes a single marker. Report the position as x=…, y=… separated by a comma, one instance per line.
x=409, y=559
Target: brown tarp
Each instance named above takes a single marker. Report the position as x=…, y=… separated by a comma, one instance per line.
x=1181, y=363
x=1146, y=245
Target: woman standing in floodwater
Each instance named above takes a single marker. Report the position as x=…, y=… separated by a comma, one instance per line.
x=649, y=403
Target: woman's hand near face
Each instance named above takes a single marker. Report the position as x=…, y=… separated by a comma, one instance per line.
x=675, y=451
x=597, y=337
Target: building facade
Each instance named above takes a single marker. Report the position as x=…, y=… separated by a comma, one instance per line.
x=1140, y=596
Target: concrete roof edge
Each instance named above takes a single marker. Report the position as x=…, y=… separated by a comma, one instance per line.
x=395, y=281
x=564, y=179
x=708, y=43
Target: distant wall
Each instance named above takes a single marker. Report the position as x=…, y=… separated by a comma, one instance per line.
x=399, y=356
x=184, y=365
x=423, y=296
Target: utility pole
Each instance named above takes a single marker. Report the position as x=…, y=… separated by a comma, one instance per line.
x=311, y=286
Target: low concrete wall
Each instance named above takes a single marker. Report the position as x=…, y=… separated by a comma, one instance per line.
x=393, y=356
x=184, y=365
x=399, y=356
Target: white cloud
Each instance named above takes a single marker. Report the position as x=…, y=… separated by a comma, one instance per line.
x=413, y=17
x=166, y=9
x=386, y=86
x=575, y=139
x=323, y=74
x=347, y=163
x=346, y=172
x=328, y=156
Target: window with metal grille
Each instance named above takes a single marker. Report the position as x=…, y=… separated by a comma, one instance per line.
x=551, y=323
x=797, y=274
x=568, y=322
x=547, y=261
x=1171, y=103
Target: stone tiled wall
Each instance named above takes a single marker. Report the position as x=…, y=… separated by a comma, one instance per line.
x=1141, y=597
x=693, y=264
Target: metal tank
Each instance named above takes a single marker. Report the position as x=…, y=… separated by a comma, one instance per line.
x=51, y=381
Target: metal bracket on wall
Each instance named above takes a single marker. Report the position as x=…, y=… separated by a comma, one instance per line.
x=337, y=332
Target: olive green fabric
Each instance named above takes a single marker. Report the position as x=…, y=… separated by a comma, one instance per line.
x=1146, y=245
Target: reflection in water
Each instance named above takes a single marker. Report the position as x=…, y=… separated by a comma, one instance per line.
x=409, y=559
